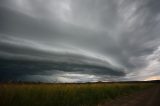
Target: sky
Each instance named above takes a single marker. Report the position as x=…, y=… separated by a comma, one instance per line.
x=79, y=40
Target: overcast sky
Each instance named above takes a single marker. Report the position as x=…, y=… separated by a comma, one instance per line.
x=79, y=40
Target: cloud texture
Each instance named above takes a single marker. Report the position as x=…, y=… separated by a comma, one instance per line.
x=76, y=40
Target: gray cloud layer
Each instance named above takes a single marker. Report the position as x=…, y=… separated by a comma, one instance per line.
x=89, y=40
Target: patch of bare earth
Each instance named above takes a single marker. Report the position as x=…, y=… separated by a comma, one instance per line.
x=149, y=97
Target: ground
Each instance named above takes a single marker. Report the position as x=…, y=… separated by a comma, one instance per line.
x=149, y=97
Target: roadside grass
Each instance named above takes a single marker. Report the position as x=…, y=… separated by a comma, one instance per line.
x=64, y=94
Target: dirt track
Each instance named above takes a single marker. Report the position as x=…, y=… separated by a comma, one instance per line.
x=150, y=97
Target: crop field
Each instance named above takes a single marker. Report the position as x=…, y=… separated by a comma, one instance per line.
x=65, y=94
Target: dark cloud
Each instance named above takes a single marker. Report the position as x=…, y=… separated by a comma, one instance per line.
x=107, y=39
x=13, y=69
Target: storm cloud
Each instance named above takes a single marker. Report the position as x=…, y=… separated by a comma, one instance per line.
x=76, y=40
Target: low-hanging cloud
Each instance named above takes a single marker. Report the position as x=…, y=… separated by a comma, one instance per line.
x=107, y=39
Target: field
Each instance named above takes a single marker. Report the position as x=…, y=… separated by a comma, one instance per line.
x=65, y=94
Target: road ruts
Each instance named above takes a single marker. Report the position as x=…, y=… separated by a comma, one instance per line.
x=150, y=97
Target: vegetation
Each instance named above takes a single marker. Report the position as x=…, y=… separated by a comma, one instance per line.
x=64, y=94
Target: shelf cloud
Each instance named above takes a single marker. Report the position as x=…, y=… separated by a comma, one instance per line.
x=79, y=41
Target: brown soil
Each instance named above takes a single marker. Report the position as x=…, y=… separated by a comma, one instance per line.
x=149, y=97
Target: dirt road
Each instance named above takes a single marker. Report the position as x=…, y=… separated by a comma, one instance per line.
x=149, y=97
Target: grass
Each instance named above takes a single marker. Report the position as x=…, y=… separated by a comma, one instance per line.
x=64, y=94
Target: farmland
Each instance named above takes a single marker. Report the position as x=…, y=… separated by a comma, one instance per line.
x=91, y=94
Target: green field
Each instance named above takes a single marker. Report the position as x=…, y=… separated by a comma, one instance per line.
x=65, y=94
